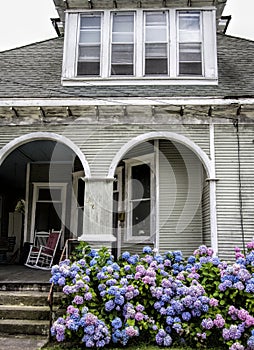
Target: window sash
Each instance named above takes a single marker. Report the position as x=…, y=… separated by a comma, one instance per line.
x=122, y=43
x=156, y=52
x=89, y=48
x=190, y=44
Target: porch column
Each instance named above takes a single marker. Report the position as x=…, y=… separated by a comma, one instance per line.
x=98, y=207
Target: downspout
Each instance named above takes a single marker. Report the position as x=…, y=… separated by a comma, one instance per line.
x=236, y=125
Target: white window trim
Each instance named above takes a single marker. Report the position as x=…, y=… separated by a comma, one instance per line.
x=69, y=77
x=129, y=163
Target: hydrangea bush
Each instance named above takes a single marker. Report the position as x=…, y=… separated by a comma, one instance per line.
x=162, y=298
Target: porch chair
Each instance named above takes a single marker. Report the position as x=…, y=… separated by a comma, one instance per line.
x=42, y=256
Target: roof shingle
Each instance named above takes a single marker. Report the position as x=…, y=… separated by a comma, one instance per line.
x=34, y=71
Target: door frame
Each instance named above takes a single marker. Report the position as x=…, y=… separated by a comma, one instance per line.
x=56, y=185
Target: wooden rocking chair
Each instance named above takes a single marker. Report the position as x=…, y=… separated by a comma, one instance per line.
x=42, y=256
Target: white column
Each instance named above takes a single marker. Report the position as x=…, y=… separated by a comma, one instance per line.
x=98, y=207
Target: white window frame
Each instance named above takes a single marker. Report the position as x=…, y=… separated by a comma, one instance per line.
x=209, y=50
x=129, y=163
x=45, y=185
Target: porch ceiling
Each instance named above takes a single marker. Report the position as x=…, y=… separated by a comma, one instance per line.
x=13, y=169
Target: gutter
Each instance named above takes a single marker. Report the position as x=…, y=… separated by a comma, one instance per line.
x=111, y=101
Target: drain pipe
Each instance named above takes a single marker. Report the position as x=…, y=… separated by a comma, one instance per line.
x=236, y=125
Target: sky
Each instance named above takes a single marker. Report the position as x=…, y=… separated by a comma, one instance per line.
x=24, y=22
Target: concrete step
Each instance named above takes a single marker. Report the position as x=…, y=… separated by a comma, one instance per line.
x=34, y=298
x=31, y=327
x=24, y=286
x=23, y=298
x=24, y=312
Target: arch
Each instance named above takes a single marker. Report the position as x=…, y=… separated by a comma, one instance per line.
x=35, y=136
x=171, y=136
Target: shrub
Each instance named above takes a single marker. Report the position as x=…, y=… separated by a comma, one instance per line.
x=164, y=299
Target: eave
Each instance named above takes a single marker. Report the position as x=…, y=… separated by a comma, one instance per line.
x=65, y=5
x=132, y=111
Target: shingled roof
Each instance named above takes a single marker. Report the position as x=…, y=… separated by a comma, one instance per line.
x=34, y=71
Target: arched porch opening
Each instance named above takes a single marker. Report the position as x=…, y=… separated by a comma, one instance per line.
x=161, y=194
x=41, y=188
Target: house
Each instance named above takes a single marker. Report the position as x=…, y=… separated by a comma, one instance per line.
x=133, y=128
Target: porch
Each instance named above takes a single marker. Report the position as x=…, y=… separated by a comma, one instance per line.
x=22, y=274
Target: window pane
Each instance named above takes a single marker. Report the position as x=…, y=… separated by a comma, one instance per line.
x=155, y=34
x=89, y=53
x=156, y=27
x=90, y=21
x=156, y=50
x=124, y=69
x=122, y=37
x=90, y=36
x=185, y=36
x=190, y=52
x=140, y=176
x=156, y=61
x=189, y=27
x=141, y=218
x=123, y=22
x=48, y=216
x=122, y=59
x=122, y=54
x=190, y=68
x=88, y=68
x=189, y=21
x=190, y=59
x=47, y=194
x=156, y=18
x=156, y=66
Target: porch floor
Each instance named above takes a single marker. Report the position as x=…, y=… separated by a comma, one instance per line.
x=21, y=273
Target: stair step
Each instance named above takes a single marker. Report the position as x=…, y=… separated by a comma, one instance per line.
x=23, y=298
x=22, y=312
x=31, y=327
x=23, y=286
x=28, y=298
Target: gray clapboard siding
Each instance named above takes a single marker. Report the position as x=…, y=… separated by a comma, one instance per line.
x=228, y=206
x=100, y=143
x=206, y=228
x=180, y=207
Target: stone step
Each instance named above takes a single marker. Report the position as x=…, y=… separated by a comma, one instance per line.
x=23, y=298
x=31, y=327
x=24, y=312
x=24, y=286
x=33, y=298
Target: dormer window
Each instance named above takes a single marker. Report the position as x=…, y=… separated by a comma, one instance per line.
x=140, y=47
